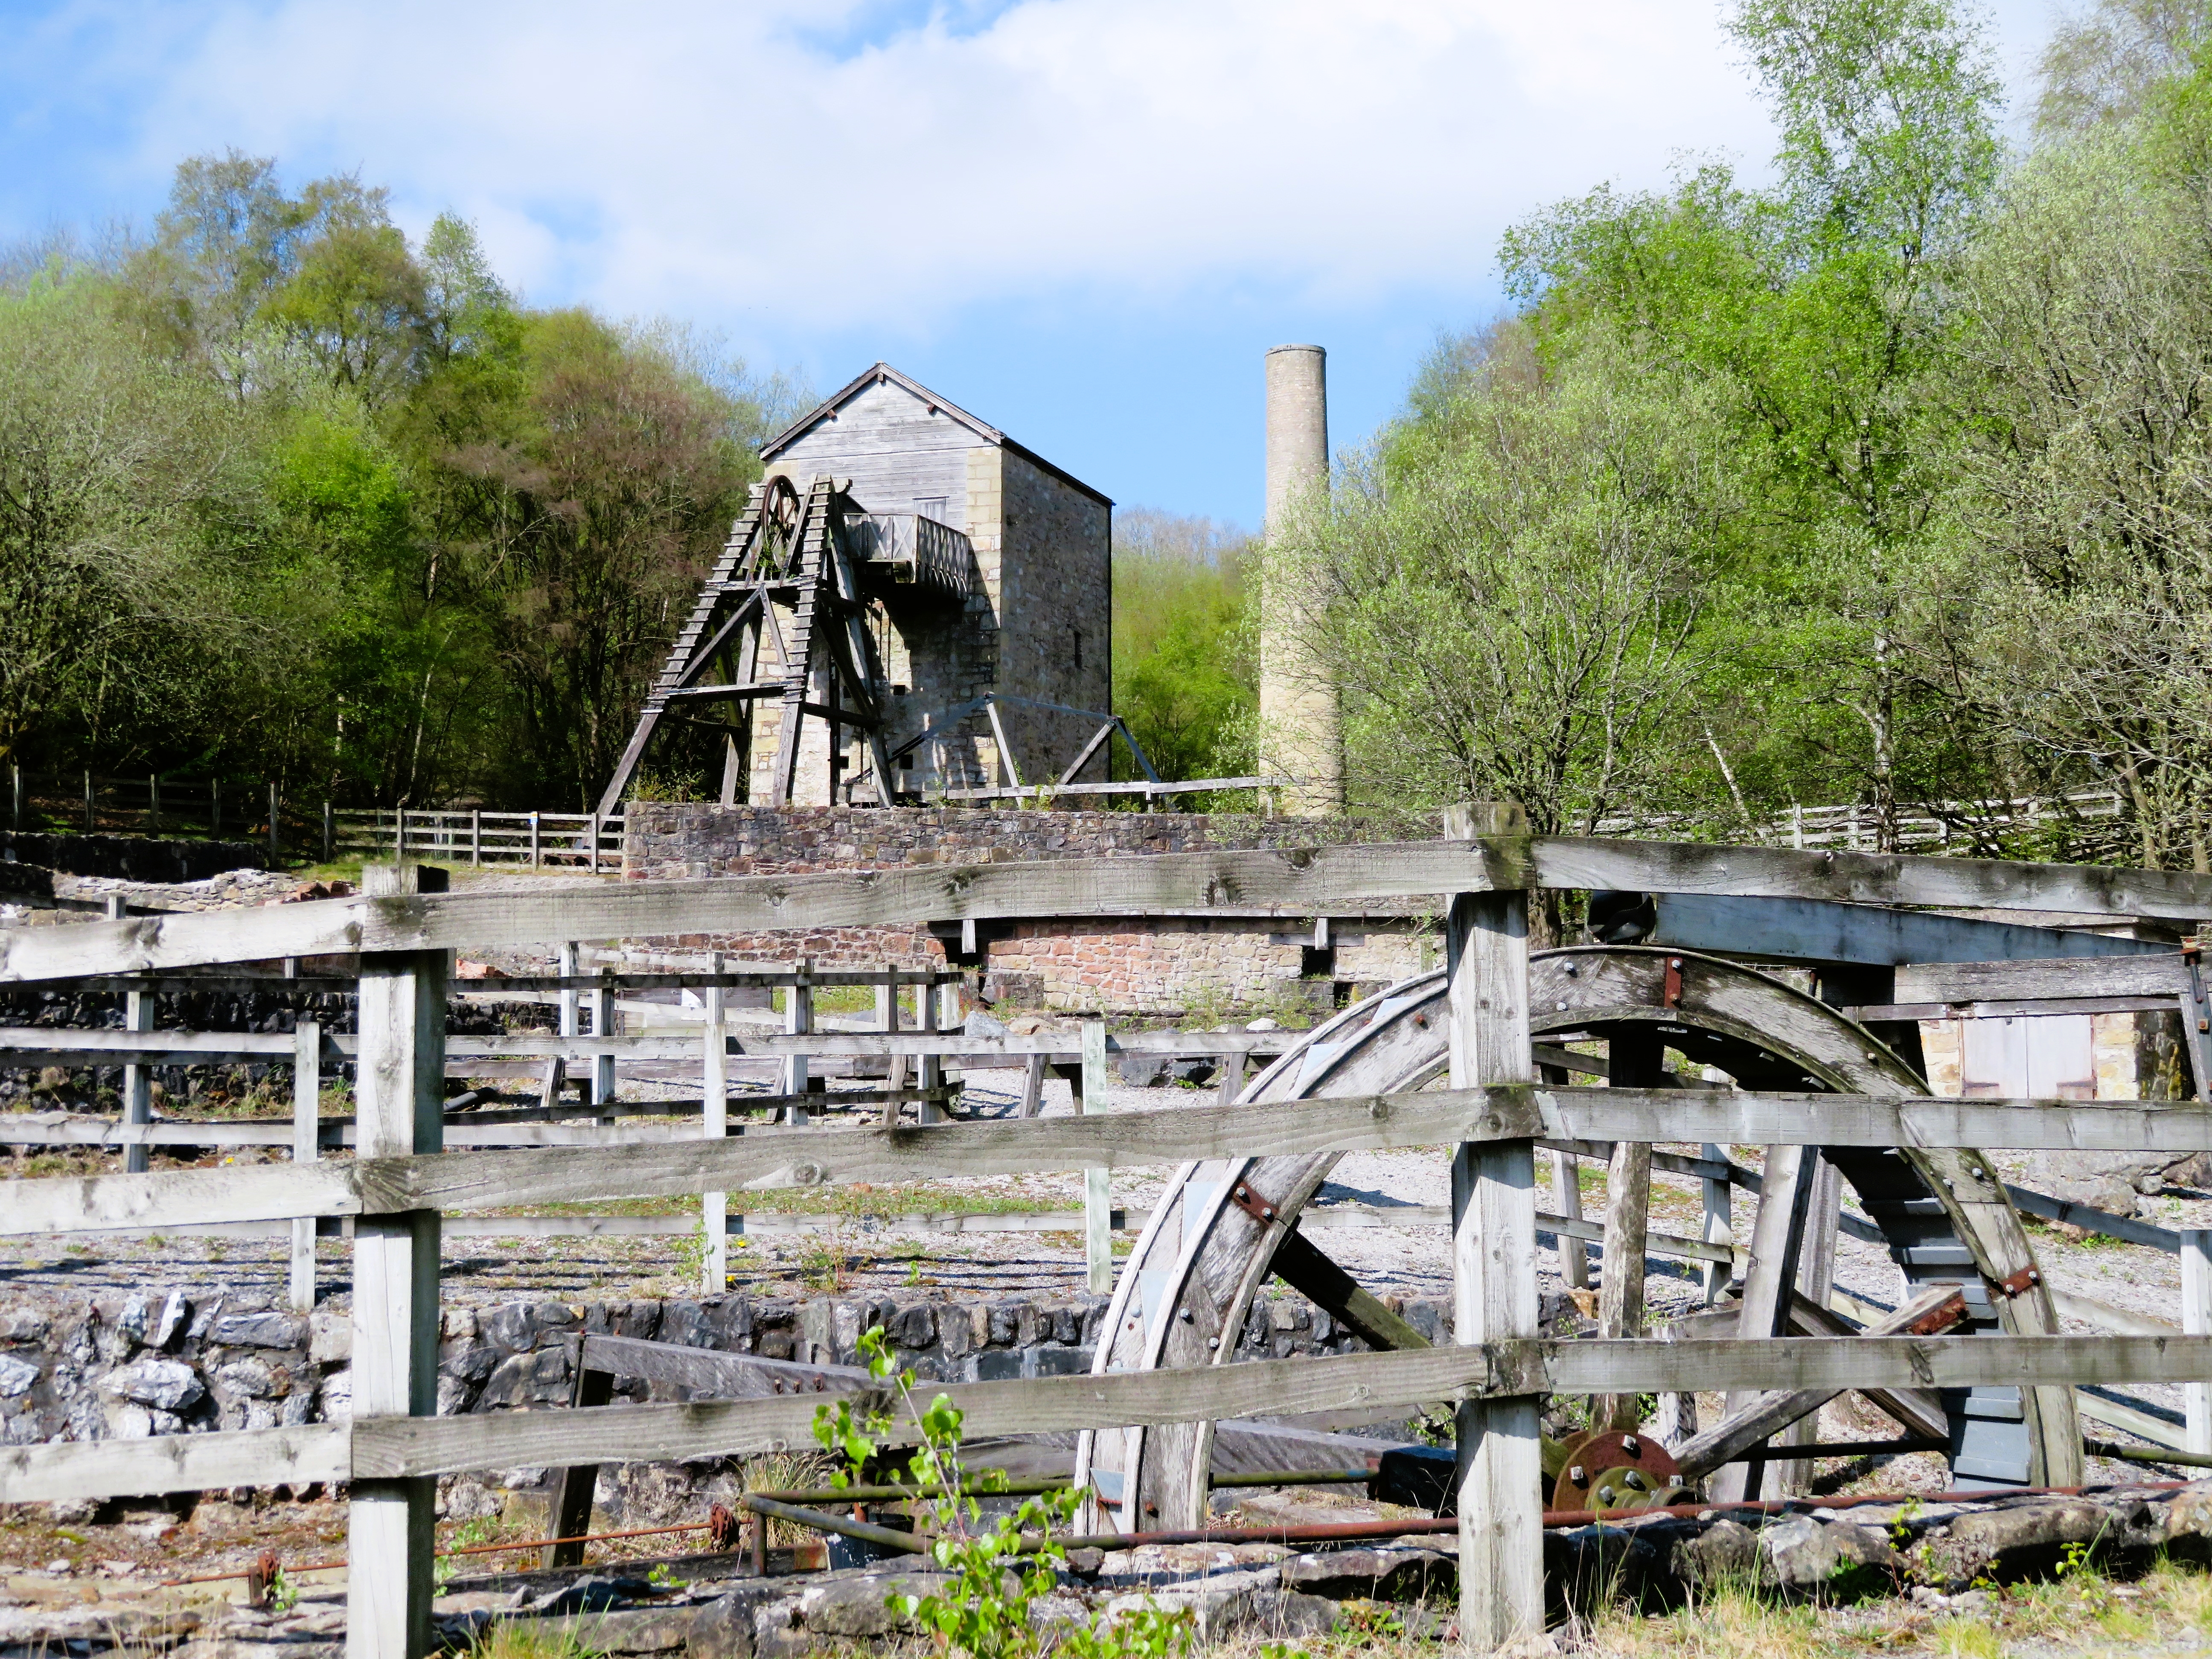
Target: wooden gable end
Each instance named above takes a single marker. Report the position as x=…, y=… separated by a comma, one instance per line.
x=898, y=454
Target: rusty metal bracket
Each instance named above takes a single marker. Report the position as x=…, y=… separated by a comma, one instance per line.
x=1949, y=1311
x=1242, y=1196
x=1670, y=989
x=2017, y=1283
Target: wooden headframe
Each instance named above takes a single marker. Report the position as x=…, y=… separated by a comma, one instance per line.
x=788, y=552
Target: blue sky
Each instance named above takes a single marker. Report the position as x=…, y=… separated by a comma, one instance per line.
x=1084, y=220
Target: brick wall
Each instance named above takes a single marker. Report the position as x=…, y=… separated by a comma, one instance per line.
x=1164, y=964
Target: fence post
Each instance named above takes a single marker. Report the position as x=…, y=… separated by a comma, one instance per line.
x=929, y=1075
x=138, y=1080
x=1501, y=1544
x=272, y=824
x=595, y=843
x=476, y=836
x=153, y=803
x=1097, y=1184
x=215, y=807
x=536, y=860
x=603, y=1025
x=399, y=1088
x=798, y=1021
x=1786, y=1199
x=90, y=820
x=15, y=807
x=715, y=1115
x=307, y=1126
x=399, y=834
x=330, y=834
x=1720, y=1223
x=2196, y=1320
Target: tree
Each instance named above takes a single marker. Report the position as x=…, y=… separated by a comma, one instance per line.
x=598, y=510
x=1185, y=677
x=1814, y=314
x=2086, y=500
x=1509, y=617
x=2102, y=67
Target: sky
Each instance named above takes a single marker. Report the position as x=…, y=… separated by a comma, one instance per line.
x=1083, y=221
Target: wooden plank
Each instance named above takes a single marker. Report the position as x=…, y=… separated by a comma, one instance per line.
x=714, y=1125
x=1867, y=878
x=1297, y=882
x=1119, y=1140
x=2095, y=1221
x=390, y=1447
x=713, y=1374
x=1306, y=1270
x=2106, y=1316
x=2140, y=1424
x=2161, y=975
x=1633, y=1060
x=51, y=1471
x=1811, y=930
x=1501, y=1558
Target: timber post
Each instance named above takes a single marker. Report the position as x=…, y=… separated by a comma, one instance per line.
x=1501, y=1543
x=1098, y=1183
x=2196, y=1320
x=138, y=1080
x=399, y=1088
x=714, y=1113
x=306, y=1126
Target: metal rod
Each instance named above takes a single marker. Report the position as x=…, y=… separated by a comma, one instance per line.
x=905, y=1543
x=2182, y=1460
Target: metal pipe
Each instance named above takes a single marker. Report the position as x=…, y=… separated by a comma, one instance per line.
x=905, y=1543
x=894, y=1493
x=2182, y=1460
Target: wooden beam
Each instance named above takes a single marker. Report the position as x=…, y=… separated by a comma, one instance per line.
x=1792, y=1173
x=391, y=1448
x=1295, y=881
x=1300, y=1265
x=1812, y=930
x=1097, y=1188
x=777, y=1157
x=2163, y=976
x=1937, y=1309
x=1283, y=1388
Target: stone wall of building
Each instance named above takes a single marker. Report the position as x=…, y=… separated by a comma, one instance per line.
x=1055, y=605
x=1153, y=965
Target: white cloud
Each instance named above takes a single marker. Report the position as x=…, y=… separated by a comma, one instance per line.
x=719, y=159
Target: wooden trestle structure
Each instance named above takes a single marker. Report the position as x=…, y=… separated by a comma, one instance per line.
x=1451, y=1059
x=782, y=616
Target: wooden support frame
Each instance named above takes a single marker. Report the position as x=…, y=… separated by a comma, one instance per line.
x=1501, y=1555
x=400, y=1087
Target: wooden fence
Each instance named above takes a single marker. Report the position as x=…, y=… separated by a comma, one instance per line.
x=1494, y=1111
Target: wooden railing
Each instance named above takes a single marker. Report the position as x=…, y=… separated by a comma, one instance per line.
x=542, y=840
x=402, y=1181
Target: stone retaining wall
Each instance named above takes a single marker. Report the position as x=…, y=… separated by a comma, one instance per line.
x=1155, y=965
x=186, y=1361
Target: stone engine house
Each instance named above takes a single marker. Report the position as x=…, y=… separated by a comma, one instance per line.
x=909, y=591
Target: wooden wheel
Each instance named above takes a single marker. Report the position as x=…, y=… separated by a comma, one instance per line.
x=1182, y=1296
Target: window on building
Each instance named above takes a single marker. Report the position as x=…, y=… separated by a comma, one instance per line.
x=1078, y=647
x=930, y=507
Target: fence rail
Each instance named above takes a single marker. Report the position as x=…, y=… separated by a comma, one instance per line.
x=1495, y=1113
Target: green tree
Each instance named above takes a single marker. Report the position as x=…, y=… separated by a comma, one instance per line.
x=1185, y=677
x=1816, y=312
